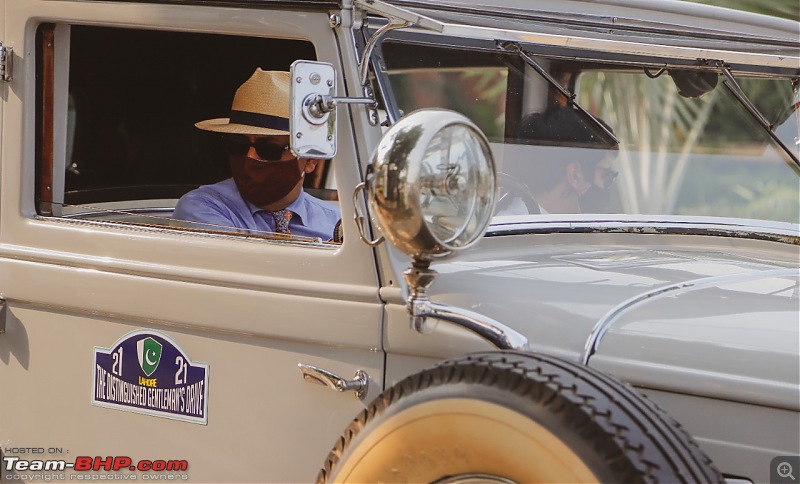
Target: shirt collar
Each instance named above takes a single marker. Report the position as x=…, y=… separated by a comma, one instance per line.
x=298, y=207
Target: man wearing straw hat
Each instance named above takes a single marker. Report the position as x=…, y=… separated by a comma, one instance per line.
x=266, y=190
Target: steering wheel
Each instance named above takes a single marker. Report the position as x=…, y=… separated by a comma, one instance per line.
x=508, y=189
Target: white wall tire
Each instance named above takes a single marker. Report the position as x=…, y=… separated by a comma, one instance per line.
x=518, y=417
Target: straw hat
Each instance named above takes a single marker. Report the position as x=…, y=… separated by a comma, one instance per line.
x=260, y=107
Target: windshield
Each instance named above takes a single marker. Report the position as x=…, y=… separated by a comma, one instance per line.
x=655, y=141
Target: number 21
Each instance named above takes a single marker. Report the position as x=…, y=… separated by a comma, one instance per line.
x=116, y=368
x=180, y=375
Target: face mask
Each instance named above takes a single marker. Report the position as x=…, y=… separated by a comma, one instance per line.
x=595, y=199
x=263, y=183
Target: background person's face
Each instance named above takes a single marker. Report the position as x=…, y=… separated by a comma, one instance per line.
x=604, y=175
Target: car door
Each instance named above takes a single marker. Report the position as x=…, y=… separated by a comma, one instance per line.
x=127, y=336
x=3, y=84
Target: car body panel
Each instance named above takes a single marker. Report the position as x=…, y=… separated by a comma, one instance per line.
x=543, y=283
x=719, y=352
x=735, y=358
x=731, y=346
x=741, y=439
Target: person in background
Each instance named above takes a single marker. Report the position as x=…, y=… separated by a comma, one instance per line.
x=569, y=185
x=265, y=192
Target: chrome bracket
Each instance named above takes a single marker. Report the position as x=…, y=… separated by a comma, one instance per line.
x=420, y=309
x=6, y=62
x=364, y=62
x=359, y=384
x=399, y=18
x=398, y=15
x=360, y=219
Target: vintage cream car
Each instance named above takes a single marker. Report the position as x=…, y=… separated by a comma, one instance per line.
x=539, y=200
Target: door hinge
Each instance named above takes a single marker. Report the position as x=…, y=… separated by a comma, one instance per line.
x=6, y=62
x=3, y=311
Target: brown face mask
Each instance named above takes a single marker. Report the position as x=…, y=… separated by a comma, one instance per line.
x=263, y=183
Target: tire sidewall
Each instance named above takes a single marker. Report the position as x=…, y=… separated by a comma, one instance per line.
x=532, y=441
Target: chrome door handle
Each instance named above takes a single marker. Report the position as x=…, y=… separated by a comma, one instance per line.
x=359, y=384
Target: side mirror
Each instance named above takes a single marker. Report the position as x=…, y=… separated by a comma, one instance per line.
x=313, y=115
x=693, y=83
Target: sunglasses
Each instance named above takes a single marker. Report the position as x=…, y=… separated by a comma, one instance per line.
x=266, y=149
x=608, y=175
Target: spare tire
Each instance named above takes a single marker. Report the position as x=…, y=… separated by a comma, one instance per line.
x=513, y=416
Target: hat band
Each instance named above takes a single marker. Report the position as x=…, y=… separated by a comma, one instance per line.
x=259, y=120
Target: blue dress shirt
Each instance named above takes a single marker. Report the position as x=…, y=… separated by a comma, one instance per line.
x=222, y=206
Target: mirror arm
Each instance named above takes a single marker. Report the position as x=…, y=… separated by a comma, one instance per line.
x=321, y=104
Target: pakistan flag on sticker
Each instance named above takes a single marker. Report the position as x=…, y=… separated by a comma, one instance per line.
x=149, y=352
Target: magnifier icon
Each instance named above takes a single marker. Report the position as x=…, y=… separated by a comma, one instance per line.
x=785, y=470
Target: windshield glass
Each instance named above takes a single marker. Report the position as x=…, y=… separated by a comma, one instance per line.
x=681, y=144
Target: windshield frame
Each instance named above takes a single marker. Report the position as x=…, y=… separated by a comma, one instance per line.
x=786, y=66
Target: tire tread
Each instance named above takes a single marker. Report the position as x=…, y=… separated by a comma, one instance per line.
x=637, y=439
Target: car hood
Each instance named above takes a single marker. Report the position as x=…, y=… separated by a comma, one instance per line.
x=699, y=318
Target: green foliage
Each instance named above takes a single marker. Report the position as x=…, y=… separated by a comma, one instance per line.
x=704, y=156
x=732, y=125
x=788, y=9
x=756, y=190
x=478, y=94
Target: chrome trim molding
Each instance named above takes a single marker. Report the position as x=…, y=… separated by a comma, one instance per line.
x=164, y=230
x=777, y=232
x=618, y=23
x=607, y=321
x=613, y=46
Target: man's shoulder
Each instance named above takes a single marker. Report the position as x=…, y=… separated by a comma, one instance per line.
x=224, y=187
x=219, y=197
x=331, y=208
x=221, y=192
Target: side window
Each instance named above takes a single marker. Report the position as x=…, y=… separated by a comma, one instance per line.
x=117, y=140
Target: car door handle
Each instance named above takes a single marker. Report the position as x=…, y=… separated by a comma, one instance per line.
x=359, y=384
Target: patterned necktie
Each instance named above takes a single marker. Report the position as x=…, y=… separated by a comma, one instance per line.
x=282, y=218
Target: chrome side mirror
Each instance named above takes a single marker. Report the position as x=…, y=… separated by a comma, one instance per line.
x=432, y=185
x=312, y=123
x=313, y=111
